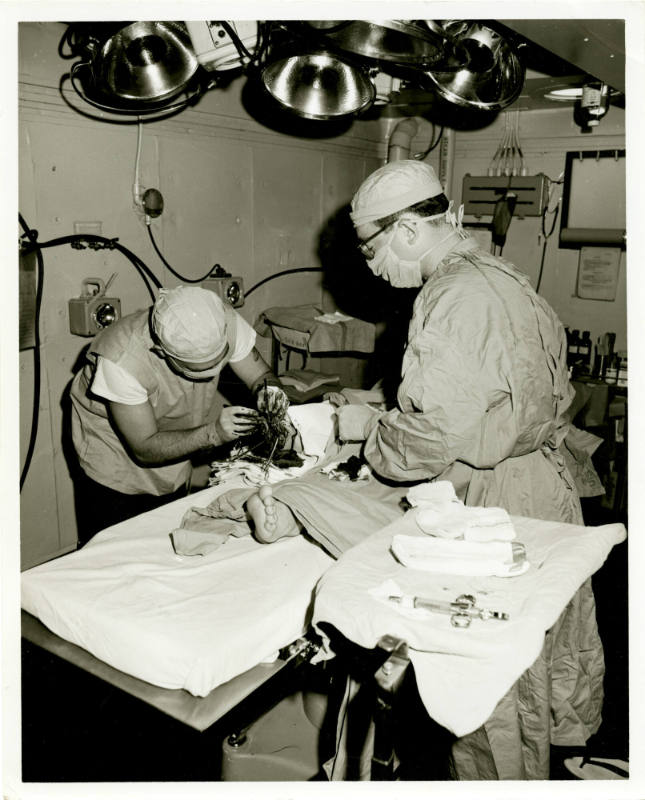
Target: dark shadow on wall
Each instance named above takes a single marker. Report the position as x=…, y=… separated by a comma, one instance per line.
x=358, y=292
x=259, y=104
x=67, y=445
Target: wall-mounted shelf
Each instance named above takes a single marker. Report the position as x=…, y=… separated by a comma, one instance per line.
x=481, y=192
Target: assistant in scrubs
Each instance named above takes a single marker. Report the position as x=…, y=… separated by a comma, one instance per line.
x=146, y=401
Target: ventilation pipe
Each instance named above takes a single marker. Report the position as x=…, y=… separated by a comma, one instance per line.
x=447, y=160
x=401, y=139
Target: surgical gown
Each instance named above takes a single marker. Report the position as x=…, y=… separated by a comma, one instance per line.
x=484, y=392
x=483, y=403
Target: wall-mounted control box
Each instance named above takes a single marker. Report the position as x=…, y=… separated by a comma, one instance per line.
x=229, y=288
x=92, y=311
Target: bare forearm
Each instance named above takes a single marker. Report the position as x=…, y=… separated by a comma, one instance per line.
x=269, y=378
x=253, y=370
x=167, y=446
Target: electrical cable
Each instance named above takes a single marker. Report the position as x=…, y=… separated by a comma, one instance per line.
x=136, y=186
x=174, y=272
x=278, y=274
x=433, y=144
x=111, y=244
x=193, y=91
x=239, y=44
x=35, y=412
x=546, y=237
x=32, y=235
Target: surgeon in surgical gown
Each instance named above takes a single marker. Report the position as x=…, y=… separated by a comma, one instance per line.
x=482, y=403
x=485, y=389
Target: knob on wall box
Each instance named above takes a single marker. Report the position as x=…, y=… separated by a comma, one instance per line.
x=230, y=289
x=92, y=311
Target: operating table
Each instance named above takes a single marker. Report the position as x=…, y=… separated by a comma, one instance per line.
x=159, y=638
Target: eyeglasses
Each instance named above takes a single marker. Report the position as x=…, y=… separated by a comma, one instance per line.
x=366, y=249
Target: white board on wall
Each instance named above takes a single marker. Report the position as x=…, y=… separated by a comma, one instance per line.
x=594, y=199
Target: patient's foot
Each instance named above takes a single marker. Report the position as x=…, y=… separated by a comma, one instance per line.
x=273, y=520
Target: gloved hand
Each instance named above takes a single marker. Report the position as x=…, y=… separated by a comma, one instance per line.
x=355, y=422
x=272, y=399
x=336, y=399
x=236, y=421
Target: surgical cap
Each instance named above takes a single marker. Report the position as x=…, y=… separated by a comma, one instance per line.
x=393, y=187
x=190, y=323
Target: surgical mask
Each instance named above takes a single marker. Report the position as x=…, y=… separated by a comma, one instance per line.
x=203, y=375
x=403, y=273
x=200, y=376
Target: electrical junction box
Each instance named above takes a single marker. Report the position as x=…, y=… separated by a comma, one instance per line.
x=214, y=47
x=229, y=288
x=92, y=311
x=480, y=193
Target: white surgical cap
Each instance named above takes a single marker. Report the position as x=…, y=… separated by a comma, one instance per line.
x=392, y=188
x=190, y=323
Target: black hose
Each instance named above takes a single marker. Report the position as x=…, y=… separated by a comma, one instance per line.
x=433, y=144
x=31, y=235
x=546, y=237
x=138, y=264
x=239, y=44
x=278, y=274
x=174, y=272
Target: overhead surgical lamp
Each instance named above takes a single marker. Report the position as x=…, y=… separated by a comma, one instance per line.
x=318, y=85
x=318, y=69
x=414, y=43
x=139, y=68
x=486, y=75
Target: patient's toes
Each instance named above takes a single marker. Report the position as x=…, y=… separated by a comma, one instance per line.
x=265, y=493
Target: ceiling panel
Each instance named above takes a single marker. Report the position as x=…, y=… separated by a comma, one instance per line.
x=595, y=46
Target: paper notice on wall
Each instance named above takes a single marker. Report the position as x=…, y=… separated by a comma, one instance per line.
x=598, y=272
x=27, y=306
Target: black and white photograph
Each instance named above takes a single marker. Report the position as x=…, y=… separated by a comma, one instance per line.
x=317, y=459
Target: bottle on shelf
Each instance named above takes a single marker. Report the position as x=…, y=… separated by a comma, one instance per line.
x=572, y=347
x=585, y=351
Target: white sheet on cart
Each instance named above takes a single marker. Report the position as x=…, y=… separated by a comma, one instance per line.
x=177, y=622
x=463, y=673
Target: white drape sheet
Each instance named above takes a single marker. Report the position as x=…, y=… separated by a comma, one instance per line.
x=463, y=673
x=177, y=622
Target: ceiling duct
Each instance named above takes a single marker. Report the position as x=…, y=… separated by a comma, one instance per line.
x=595, y=47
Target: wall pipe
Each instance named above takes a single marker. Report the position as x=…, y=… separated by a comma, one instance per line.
x=447, y=161
x=400, y=140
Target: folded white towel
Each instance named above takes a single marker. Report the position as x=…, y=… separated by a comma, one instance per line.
x=459, y=557
x=440, y=513
x=436, y=494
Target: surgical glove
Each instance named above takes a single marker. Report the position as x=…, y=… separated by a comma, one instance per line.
x=272, y=400
x=337, y=399
x=236, y=421
x=355, y=422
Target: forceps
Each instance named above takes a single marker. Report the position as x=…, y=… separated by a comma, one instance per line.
x=462, y=610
